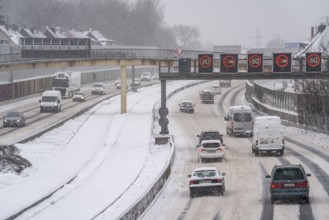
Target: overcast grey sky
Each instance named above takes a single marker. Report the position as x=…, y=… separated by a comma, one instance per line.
x=224, y=22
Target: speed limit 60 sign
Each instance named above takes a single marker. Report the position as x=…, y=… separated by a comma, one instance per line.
x=229, y=63
x=313, y=62
x=205, y=63
x=255, y=63
x=282, y=62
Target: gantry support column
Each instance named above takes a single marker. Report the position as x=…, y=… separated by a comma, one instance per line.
x=123, y=89
x=163, y=111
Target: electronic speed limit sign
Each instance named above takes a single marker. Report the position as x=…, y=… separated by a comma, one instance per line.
x=255, y=63
x=229, y=63
x=313, y=62
x=205, y=63
x=282, y=62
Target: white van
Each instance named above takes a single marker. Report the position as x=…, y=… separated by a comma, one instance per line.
x=98, y=88
x=51, y=101
x=239, y=120
x=267, y=135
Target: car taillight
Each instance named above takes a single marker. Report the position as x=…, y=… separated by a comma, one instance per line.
x=220, y=148
x=256, y=142
x=219, y=180
x=193, y=182
x=201, y=149
x=276, y=185
x=282, y=141
x=301, y=184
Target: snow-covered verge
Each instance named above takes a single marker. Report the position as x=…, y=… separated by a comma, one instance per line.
x=46, y=151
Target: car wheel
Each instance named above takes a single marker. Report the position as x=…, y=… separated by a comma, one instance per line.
x=256, y=152
x=272, y=199
x=307, y=200
x=281, y=152
x=222, y=192
x=252, y=150
x=191, y=194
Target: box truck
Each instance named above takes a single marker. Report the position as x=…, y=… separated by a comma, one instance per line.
x=67, y=83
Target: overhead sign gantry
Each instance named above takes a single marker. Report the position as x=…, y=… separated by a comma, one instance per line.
x=247, y=66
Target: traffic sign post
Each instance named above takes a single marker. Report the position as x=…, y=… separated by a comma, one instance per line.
x=229, y=63
x=313, y=62
x=255, y=63
x=205, y=63
x=282, y=62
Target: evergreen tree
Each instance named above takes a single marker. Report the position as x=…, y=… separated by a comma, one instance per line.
x=2, y=21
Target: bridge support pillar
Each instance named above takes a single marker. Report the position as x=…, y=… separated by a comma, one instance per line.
x=123, y=89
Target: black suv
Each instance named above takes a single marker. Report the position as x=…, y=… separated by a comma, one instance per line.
x=289, y=182
x=210, y=135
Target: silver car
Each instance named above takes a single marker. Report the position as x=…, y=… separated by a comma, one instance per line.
x=206, y=180
x=14, y=119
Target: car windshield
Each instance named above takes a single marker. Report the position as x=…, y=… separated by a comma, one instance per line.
x=288, y=174
x=187, y=104
x=242, y=117
x=49, y=98
x=97, y=85
x=210, y=145
x=13, y=114
x=205, y=173
x=210, y=136
x=79, y=93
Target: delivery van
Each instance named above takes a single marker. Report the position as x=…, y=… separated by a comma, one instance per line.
x=51, y=101
x=239, y=120
x=267, y=135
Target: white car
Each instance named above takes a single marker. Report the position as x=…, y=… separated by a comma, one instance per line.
x=146, y=76
x=211, y=149
x=206, y=180
x=215, y=89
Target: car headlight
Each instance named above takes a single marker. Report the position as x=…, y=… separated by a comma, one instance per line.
x=55, y=104
x=18, y=120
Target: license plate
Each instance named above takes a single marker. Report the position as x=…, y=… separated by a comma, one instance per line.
x=211, y=151
x=289, y=184
x=205, y=181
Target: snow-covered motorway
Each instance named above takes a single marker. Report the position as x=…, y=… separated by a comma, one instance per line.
x=108, y=157
x=247, y=190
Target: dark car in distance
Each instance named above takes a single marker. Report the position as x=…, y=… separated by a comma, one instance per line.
x=79, y=97
x=289, y=182
x=210, y=135
x=14, y=119
x=186, y=106
x=207, y=96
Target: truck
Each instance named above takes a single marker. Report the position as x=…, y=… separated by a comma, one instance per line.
x=67, y=82
x=51, y=101
x=267, y=135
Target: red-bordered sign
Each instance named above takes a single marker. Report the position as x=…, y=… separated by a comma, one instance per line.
x=255, y=63
x=313, y=62
x=282, y=62
x=179, y=52
x=205, y=63
x=229, y=63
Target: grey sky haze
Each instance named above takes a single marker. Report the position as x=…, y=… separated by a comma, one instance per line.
x=237, y=21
